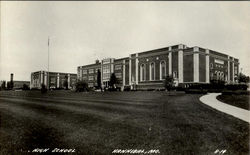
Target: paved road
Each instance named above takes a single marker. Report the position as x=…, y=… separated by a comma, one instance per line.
x=210, y=99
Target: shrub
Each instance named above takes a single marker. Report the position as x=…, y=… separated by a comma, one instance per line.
x=43, y=89
x=169, y=82
x=126, y=88
x=236, y=87
x=195, y=91
x=179, y=88
x=25, y=87
x=235, y=92
x=81, y=86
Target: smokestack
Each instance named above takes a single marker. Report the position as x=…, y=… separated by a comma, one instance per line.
x=11, y=76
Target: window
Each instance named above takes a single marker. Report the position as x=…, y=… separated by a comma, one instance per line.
x=162, y=70
x=118, y=75
x=91, y=71
x=174, y=74
x=91, y=84
x=211, y=76
x=118, y=67
x=106, y=69
x=218, y=75
x=84, y=71
x=235, y=70
x=222, y=76
x=211, y=66
x=152, y=71
x=91, y=77
x=84, y=77
x=142, y=72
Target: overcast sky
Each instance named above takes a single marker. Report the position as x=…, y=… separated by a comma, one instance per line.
x=81, y=32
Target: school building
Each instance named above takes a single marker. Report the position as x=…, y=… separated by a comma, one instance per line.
x=147, y=70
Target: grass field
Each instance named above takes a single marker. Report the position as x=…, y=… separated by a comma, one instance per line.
x=241, y=101
x=98, y=123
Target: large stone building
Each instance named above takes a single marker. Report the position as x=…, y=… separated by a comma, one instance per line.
x=56, y=79
x=147, y=70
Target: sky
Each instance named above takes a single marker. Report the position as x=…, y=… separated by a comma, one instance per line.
x=81, y=32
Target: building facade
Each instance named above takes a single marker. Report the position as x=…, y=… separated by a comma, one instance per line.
x=20, y=84
x=52, y=79
x=147, y=70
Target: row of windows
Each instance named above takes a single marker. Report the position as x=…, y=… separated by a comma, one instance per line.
x=106, y=76
x=91, y=77
x=118, y=75
x=218, y=75
x=90, y=71
x=106, y=69
x=118, y=67
x=163, y=72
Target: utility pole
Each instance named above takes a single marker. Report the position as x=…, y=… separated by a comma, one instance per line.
x=48, y=64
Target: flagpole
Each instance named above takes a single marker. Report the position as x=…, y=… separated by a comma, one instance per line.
x=48, y=64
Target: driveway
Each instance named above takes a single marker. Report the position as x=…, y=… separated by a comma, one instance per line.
x=210, y=100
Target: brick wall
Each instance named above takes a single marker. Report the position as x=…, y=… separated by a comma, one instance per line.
x=188, y=68
x=127, y=72
x=202, y=68
x=175, y=62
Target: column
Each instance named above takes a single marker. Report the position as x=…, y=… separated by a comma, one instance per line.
x=180, y=66
x=101, y=75
x=80, y=74
x=228, y=69
x=31, y=81
x=45, y=78
x=196, y=64
x=68, y=80
x=136, y=68
x=112, y=66
x=233, y=70
x=41, y=76
x=207, y=66
x=170, y=63
x=58, y=80
x=130, y=69
x=124, y=72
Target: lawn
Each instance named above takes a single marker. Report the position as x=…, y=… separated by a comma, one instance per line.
x=98, y=123
x=241, y=101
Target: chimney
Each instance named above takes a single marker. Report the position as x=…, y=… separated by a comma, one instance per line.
x=97, y=61
x=11, y=76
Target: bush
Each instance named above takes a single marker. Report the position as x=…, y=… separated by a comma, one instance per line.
x=214, y=86
x=179, y=88
x=126, y=88
x=43, y=89
x=25, y=87
x=81, y=86
x=169, y=82
x=236, y=87
x=196, y=91
x=235, y=92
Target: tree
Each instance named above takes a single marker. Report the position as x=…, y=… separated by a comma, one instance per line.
x=65, y=83
x=169, y=82
x=25, y=87
x=43, y=89
x=3, y=85
x=243, y=78
x=8, y=85
x=99, y=85
x=113, y=81
x=81, y=86
x=11, y=84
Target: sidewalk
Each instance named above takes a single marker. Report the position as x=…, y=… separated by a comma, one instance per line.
x=210, y=100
